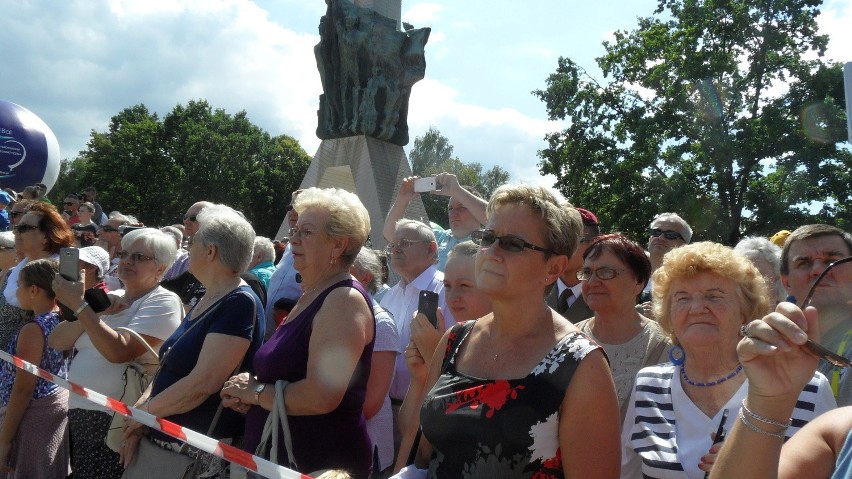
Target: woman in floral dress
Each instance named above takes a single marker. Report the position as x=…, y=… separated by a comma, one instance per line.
x=520, y=392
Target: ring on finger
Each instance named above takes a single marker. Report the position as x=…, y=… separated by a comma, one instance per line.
x=745, y=332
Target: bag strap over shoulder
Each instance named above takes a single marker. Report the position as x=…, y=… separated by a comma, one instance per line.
x=139, y=338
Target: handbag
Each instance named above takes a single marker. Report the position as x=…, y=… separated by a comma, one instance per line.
x=136, y=381
x=277, y=416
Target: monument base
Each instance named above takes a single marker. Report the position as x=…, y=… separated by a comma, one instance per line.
x=370, y=168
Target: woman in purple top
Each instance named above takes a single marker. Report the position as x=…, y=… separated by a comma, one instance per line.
x=323, y=348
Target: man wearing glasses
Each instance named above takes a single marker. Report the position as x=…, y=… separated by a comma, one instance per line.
x=69, y=208
x=566, y=296
x=178, y=279
x=109, y=238
x=806, y=254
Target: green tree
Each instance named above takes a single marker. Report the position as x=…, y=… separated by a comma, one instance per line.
x=710, y=108
x=431, y=154
x=155, y=169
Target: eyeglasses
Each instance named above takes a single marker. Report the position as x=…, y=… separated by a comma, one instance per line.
x=69, y=203
x=298, y=232
x=668, y=234
x=604, y=272
x=21, y=229
x=135, y=257
x=403, y=244
x=289, y=208
x=190, y=217
x=509, y=243
x=108, y=229
x=15, y=214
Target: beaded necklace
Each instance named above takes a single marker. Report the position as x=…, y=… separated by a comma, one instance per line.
x=711, y=383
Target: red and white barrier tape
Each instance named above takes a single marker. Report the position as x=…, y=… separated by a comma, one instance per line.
x=230, y=453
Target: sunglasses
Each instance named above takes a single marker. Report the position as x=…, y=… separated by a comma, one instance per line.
x=190, y=218
x=509, y=243
x=402, y=244
x=289, y=208
x=108, y=229
x=604, y=273
x=69, y=203
x=21, y=229
x=15, y=214
x=135, y=257
x=668, y=234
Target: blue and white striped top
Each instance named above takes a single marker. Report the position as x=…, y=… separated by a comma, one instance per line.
x=665, y=433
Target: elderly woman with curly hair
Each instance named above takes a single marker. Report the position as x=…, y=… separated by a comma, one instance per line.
x=519, y=392
x=324, y=346
x=40, y=234
x=703, y=294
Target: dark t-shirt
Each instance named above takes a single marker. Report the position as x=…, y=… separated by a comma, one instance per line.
x=179, y=355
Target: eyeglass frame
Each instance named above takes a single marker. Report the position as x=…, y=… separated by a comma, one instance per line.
x=25, y=227
x=403, y=244
x=656, y=232
x=135, y=257
x=108, y=229
x=193, y=218
x=478, y=237
x=586, y=274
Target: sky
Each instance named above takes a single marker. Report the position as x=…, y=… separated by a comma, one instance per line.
x=77, y=63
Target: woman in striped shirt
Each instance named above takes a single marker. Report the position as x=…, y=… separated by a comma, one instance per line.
x=703, y=294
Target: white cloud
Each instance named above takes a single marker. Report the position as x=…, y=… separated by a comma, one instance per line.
x=422, y=13
x=834, y=21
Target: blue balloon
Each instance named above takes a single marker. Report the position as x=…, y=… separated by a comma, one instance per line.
x=29, y=152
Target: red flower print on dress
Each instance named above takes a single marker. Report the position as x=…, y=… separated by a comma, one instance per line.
x=551, y=468
x=493, y=396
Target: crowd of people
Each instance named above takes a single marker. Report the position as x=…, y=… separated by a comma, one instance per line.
x=557, y=349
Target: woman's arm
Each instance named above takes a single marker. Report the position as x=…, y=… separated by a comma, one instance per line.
x=220, y=355
x=381, y=375
x=589, y=432
x=64, y=335
x=812, y=452
x=30, y=347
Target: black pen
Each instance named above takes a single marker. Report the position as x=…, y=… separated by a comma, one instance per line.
x=720, y=435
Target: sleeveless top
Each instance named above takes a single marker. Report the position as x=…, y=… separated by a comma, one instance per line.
x=51, y=360
x=12, y=318
x=503, y=428
x=336, y=440
x=843, y=467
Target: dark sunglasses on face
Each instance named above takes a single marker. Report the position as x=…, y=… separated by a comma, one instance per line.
x=15, y=214
x=604, y=273
x=668, y=234
x=289, y=208
x=135, y=257
x=21, y=229
x=509, y=243
x=69, y=203
x=190, y=217
x=108, y=229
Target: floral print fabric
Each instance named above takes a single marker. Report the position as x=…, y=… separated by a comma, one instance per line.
x=507, y=428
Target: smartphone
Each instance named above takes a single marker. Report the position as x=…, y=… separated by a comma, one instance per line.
x=422, y=185
x=427, y=303
x=97, y=299
x=69, y=263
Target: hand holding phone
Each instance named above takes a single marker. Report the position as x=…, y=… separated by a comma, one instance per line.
x=423, y=185
x=427, y=304
x=69, y=263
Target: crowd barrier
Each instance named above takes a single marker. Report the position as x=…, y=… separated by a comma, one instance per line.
x=230, y=453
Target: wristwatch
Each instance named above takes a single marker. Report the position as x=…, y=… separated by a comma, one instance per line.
x=257, y=390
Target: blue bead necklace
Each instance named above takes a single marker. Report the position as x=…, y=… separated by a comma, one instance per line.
x=712, y=383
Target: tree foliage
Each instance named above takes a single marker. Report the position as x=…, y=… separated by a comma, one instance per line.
x=716, y=109
x=155, y=169
x=431, y=154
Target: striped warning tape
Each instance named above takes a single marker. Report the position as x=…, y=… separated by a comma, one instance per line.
x=230, y=453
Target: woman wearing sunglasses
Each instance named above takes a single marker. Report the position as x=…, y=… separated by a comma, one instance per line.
x=103, y=353
x=520, y=392
x=703, y=294
x=615, y=271
x=39, y=234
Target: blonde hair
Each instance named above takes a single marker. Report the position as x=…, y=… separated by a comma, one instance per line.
x=562, y=222
x=706, y=257
x=347, y=216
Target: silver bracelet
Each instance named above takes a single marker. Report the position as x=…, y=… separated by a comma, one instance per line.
x=765, y=420
x=753, y=427
x=81, y=308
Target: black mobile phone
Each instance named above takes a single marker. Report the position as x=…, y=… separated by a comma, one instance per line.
x=97, y=299
x=69, y=263
x=720, y=433
x=427, y=303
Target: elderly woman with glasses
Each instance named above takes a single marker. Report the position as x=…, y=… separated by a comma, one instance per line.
x=103, y=351
x=219, y=334
x=703, y=294
x=520, y=392
x=615, y=271
x=324, y=346
x=39, y=234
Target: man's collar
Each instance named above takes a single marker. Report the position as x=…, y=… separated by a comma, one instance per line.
x=423, y=280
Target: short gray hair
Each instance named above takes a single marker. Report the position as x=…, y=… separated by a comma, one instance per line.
x=424, y=232
x=675, y=218
x=465, y=249
x=161, y=244
x=758, y=247
x=7, y=239
x=368, y=260
x=347, y=216
x=264, y=245
x=174, y=233
x=229, y=231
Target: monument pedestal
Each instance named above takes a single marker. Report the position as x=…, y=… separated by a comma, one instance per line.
x=370, y=168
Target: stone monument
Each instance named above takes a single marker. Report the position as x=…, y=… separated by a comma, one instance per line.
x=367, y=67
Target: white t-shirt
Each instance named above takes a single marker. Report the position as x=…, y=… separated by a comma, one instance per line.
x=156, y=314
x=380, y=426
